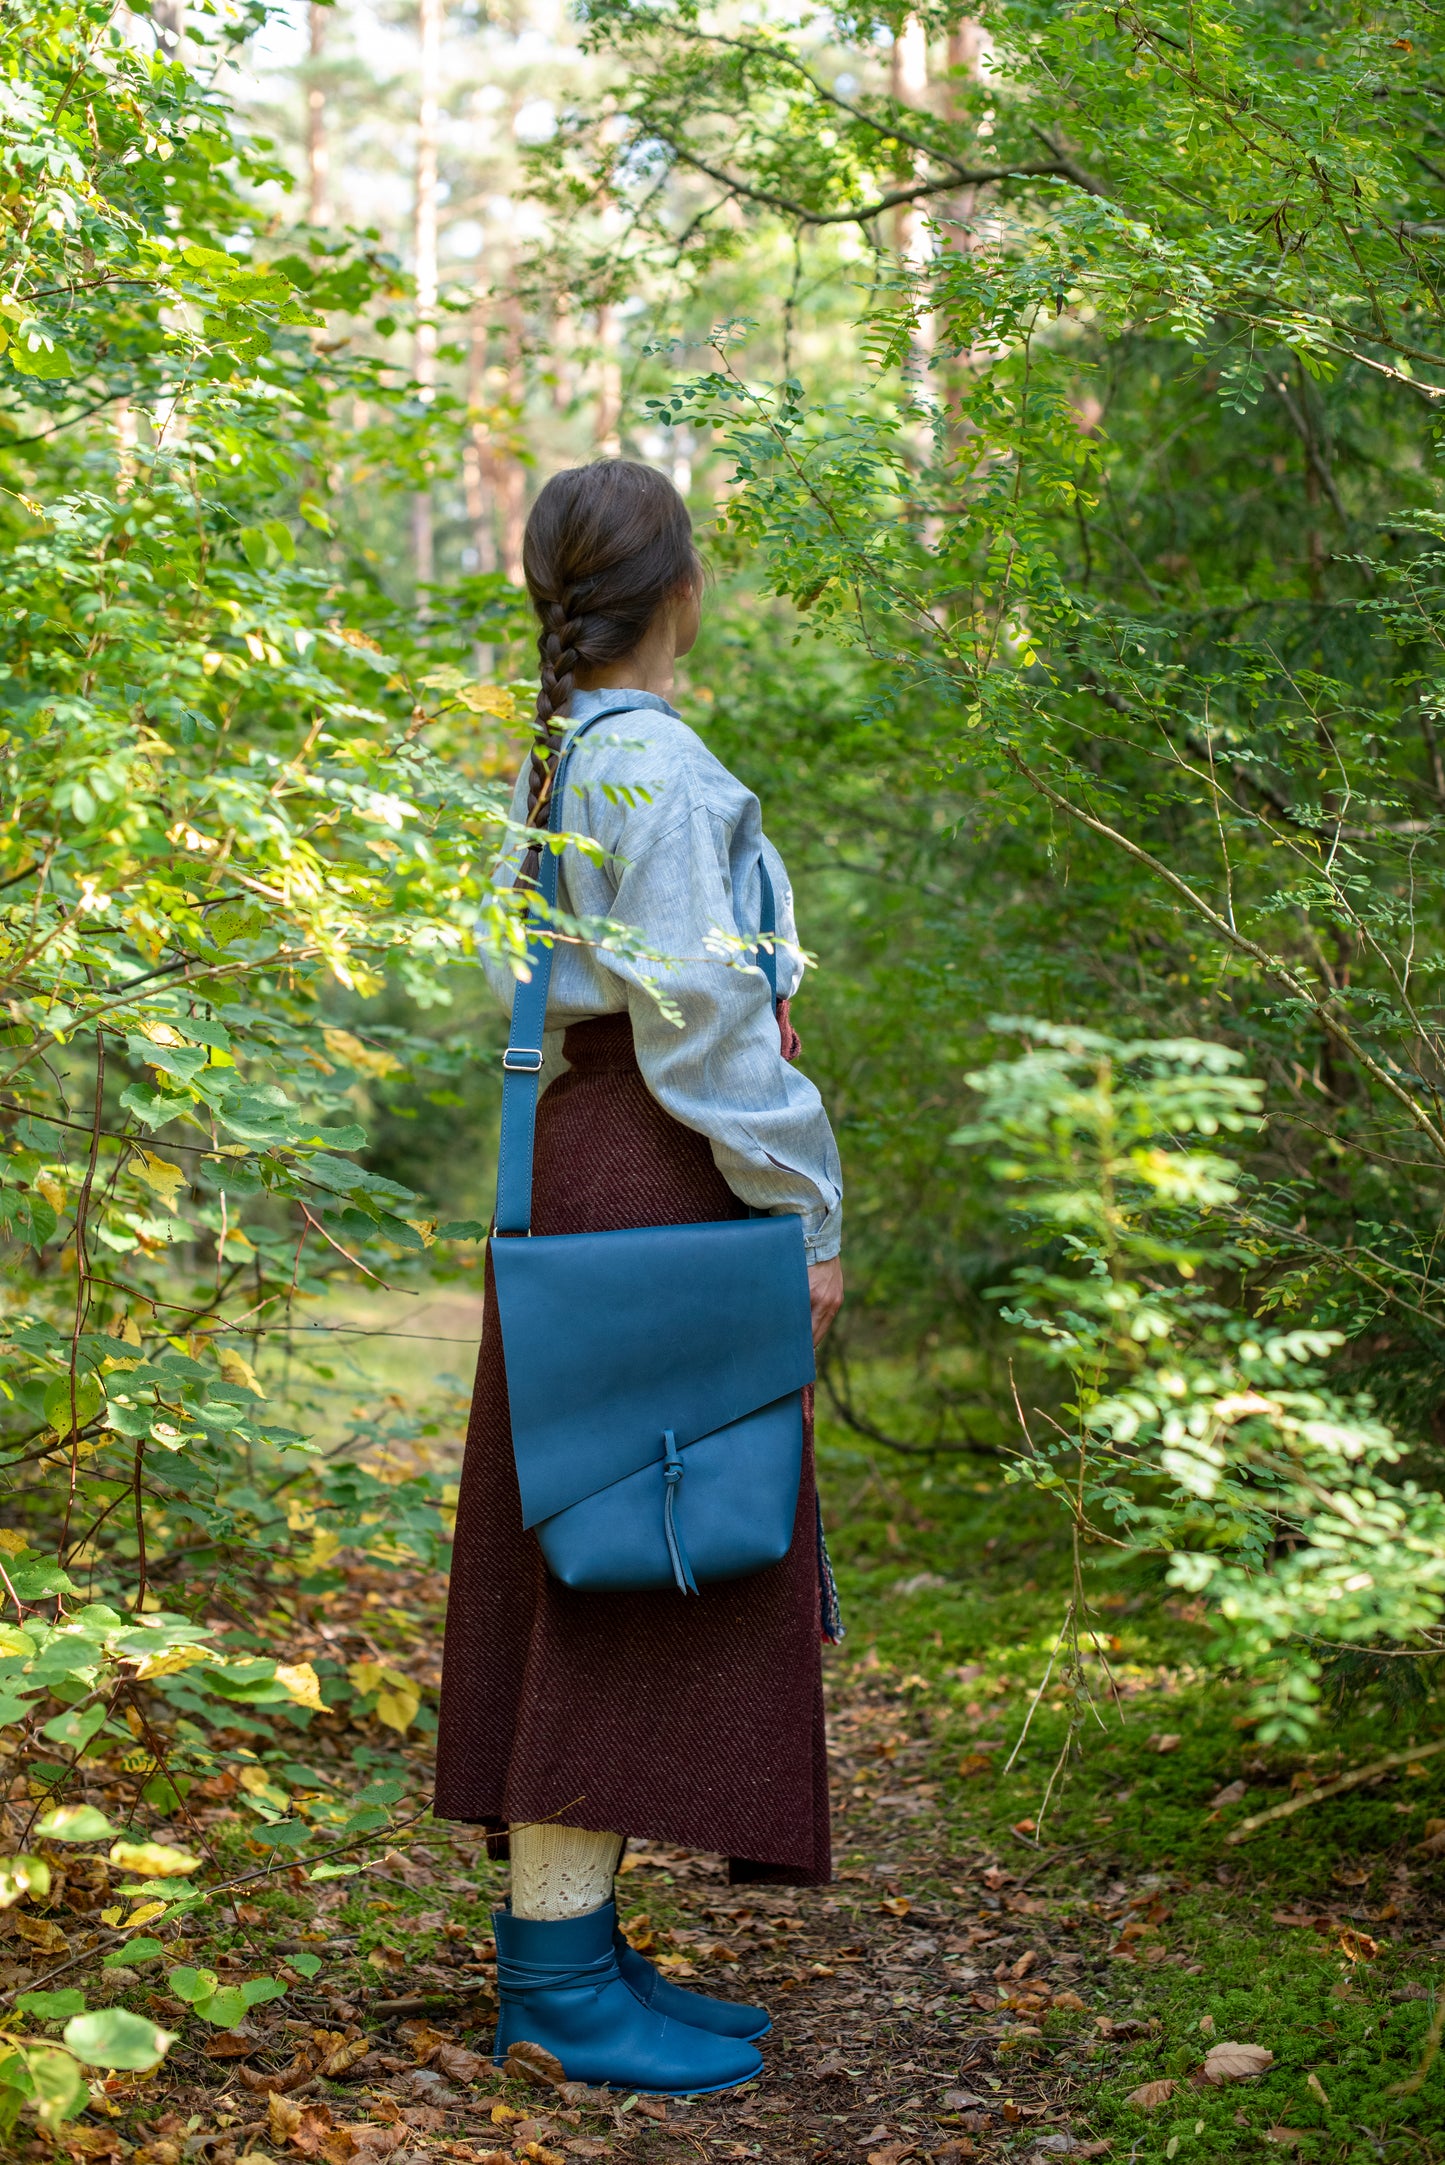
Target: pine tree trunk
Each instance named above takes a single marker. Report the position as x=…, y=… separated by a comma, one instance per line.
x=318, y=142
x=424, y=262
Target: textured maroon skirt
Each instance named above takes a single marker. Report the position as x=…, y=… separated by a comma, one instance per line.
x=689, y=1720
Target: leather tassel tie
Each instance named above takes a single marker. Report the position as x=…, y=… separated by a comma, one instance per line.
x=672, y=1473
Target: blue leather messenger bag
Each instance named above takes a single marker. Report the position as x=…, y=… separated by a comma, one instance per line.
x=655, y=1375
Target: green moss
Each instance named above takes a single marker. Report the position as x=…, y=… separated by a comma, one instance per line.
x=955, y=1591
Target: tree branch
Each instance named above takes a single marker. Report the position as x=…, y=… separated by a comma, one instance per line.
x=865, y=213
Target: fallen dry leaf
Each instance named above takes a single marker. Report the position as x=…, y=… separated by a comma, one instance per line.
x=654, y=2107
x=427, y=2118
x=1070, y=2000
x=974, y=1763
x=638, y=1932
x=38, y=1932
x=237, y=2044
x=897, y=1905
x=1161, y=1742
x=1150, y=2094
x=1232, y=1793
x=91, y=2142
x=495, y=2157
x=1231, y=2062
x=1351, y=1875
x=338, y=2054
x=282, y=2118
x=290, y=2078
x=421, y=2040
x=1313, y=2082
x=314, y=2135
x=533, y=2063
x=894, y=2154
x=1358, y=1946
x=538, y=2154
x=460, y=2064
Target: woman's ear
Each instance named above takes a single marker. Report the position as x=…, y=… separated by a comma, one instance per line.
x=687, y=616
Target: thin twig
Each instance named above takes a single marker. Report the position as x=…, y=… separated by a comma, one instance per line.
x=1306, y=1797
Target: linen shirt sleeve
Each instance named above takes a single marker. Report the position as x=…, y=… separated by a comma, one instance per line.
x=722, y=1073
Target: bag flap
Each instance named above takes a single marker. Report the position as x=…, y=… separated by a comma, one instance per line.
x=610, y=1338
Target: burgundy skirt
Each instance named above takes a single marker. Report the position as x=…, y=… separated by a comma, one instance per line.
x=696, y=1721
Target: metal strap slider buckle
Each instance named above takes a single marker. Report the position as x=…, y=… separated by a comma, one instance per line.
x=522, y=1060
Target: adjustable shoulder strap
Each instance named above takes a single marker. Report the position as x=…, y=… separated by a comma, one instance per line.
x=522, y=1060
x=767, y=927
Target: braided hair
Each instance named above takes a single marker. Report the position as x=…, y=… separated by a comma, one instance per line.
x=606, y=547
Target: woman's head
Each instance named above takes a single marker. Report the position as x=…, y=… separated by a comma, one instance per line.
x=607, y=548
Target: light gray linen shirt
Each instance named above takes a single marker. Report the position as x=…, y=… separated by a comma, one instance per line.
x=683, y=839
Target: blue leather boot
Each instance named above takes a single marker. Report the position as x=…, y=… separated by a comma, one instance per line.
x=725, y=2018
x=559, y=1986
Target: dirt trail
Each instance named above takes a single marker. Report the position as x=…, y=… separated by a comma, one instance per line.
x=930, y=2005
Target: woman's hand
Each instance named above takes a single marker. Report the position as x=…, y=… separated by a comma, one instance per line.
x=825, y=1295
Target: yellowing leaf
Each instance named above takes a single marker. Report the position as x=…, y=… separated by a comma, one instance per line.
x=153, y=1860
x=170, y=1662
x=397, y=1705
x=344, y=1047
x=146, y=1914
x=130, y=1332
x=301, y=1684
x=47, y=1185
x=236, y=1368
x=300, y=1518
x=163, y=1178
x=397, y=1697
x=321, y=1551
x=12, y=1542
x=257, y=1783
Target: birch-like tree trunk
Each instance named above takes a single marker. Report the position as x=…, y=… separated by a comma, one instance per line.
x=424, y=259
x=318, y=140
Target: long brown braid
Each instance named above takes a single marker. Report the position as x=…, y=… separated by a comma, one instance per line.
x=606, y=546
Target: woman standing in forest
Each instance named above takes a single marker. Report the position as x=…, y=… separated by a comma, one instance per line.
x=575, y=1719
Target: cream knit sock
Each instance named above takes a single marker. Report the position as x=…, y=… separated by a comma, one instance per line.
x=561, y=1871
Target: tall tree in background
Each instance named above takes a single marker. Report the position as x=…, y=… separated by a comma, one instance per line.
x=424, y=258
x=318, y=142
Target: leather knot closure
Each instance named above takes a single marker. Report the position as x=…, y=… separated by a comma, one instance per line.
x=672, y=1473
